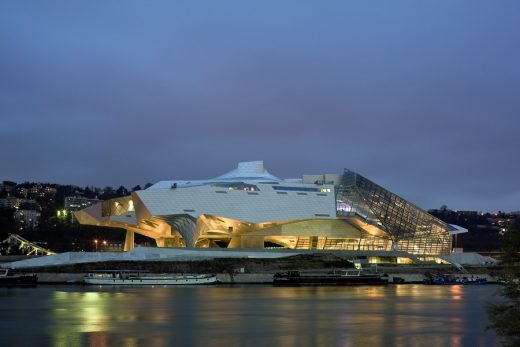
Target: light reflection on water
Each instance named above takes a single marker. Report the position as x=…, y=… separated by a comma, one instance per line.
x=399, y=315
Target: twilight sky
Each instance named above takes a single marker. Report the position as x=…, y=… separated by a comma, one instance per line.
x=423, y=97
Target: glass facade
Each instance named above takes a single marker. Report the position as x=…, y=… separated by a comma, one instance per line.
x=407, y=227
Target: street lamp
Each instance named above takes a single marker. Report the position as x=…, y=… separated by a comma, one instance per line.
x=105, y=245
x=96, y=241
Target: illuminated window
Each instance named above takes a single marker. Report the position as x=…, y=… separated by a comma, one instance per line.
x=296, y=189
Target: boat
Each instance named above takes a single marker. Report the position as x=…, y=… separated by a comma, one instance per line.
x=336, y=277
x=446, y=279
x=122, y=277
x=8, y=279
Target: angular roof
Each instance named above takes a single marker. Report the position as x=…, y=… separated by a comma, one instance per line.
x=249, y=171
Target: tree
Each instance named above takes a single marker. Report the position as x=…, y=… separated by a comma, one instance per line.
x=137, y=187
x=506, y=315
x=121, y=191
x=7, y=225
x=511, y=245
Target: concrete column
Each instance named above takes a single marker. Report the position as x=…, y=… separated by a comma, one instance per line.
x=187, y=227
x=129, y=240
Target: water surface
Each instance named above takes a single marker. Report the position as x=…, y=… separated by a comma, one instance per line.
x=394, y=315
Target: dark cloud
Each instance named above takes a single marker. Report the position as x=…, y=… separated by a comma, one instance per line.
x=420, y=97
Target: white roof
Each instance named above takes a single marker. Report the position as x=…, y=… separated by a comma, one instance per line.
x=249, y=171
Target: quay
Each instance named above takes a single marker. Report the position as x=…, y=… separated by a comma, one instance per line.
x=241, y=266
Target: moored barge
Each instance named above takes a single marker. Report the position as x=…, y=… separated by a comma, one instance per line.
x=121, y=277
x=447, y=279
x=10, y=280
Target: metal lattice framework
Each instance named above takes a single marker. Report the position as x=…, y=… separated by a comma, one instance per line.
x=26, y=246
x=407, y=226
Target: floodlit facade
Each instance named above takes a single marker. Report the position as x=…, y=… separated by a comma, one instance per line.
x=250, y=208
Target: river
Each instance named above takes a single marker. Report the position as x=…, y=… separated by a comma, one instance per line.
x=254, y=315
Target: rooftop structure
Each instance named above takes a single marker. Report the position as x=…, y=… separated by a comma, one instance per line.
x=250, y=208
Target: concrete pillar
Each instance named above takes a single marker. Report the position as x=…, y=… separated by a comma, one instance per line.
x=129, y=240
x=187, y=227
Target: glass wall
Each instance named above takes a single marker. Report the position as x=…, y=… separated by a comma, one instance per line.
x=410, y=228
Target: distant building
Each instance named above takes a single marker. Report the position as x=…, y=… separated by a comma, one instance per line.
x=22, y=192
x=113, y=246
x=27, y=219
x=26, y=215
x=76, y=203
x=42, y=190
x=7, y=186
x=12, y=202
x=5, y=203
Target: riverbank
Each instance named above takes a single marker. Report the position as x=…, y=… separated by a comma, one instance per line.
x=257, y=270
x=244, y=275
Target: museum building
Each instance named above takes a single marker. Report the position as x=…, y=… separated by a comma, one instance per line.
x=250, y=208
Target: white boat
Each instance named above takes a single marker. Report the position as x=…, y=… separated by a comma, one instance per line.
x=120, y=277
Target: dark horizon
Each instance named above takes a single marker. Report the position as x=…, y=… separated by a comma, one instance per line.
x=421, y=98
